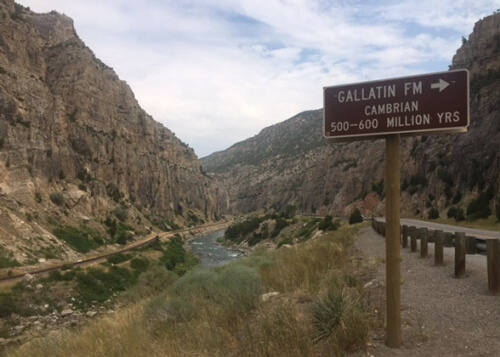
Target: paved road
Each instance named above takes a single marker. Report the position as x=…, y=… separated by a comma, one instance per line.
x=478, y=233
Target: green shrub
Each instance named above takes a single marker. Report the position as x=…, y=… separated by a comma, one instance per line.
x=82, y=240
x=452, y=212
x=460, y=215
x=112, y=227
x=56, y=275
x=121, y=212
x=256, y=238
x=457, y=213
x=114, y=192
x=123, y=237
x=405, y=185
x=119, y=258
x=174, y=253
x=57, y=198
x=7, y=259
x=8, y=305
x=140, y=264
x=99, y=285
x=308, y=229
x=418, y=180
x=84, y=175
x=328, y=224
x=236, y=232
x=286, y=240
x=280, y=225
x=38, y=197
x=446, y=177
x=412, y=189
x=433, y=213
x=355, y=217
x=479, y=207
x=457, y=198
x=378, y=188
x=290, y=211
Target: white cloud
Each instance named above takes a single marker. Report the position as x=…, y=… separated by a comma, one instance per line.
x=218, y=71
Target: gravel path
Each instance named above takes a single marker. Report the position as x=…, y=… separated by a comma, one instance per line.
x=441, y=316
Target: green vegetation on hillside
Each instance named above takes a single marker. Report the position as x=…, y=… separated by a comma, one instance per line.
x=82, y=239
x=269, y=227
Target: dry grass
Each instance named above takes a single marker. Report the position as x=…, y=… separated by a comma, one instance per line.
x=219, y=312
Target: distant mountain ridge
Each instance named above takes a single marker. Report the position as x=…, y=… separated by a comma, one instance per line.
x=294, y=136
x=290, y=162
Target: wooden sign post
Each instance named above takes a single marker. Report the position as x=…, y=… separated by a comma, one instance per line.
x=425, y=104
x=392, y=249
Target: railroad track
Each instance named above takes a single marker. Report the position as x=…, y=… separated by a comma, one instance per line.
x=94, y=259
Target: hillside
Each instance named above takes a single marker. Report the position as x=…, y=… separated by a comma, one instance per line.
x=77, y=150
x=290, y=163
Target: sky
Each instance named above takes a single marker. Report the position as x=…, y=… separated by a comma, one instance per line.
x=216, y=72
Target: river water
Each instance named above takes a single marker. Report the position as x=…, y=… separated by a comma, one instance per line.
x=211, y=253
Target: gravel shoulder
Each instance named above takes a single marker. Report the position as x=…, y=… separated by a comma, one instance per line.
x=440, y=315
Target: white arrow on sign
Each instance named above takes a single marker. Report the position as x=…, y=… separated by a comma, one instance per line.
x=441, y=85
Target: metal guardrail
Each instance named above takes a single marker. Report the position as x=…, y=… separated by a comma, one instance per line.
x=464, y=244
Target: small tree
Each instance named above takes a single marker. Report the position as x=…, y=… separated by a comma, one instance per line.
x=457, y=213
x=355, y=217
x=289, y=212
x=57, y=198
x=433, y=213
x=328, y=224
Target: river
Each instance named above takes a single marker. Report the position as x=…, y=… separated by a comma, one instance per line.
x=211, y=253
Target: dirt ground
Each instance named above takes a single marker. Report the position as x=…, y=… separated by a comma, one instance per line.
x=440, y=315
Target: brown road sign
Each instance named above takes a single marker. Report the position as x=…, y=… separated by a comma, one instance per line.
x=416, y=105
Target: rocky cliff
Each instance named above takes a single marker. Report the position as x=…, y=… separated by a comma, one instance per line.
x=76, y=147
x=290, y=163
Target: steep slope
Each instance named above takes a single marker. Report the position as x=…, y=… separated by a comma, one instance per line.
x=290, y=163
x=75, y=146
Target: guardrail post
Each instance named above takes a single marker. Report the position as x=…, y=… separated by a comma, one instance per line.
x=493, y=261
x=459, y=254
x=405, y=236
x=413, y=239
x=439, y=248
x=424, y=235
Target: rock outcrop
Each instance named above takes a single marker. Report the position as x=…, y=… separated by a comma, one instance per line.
x=75, y=146
x=290, y=163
